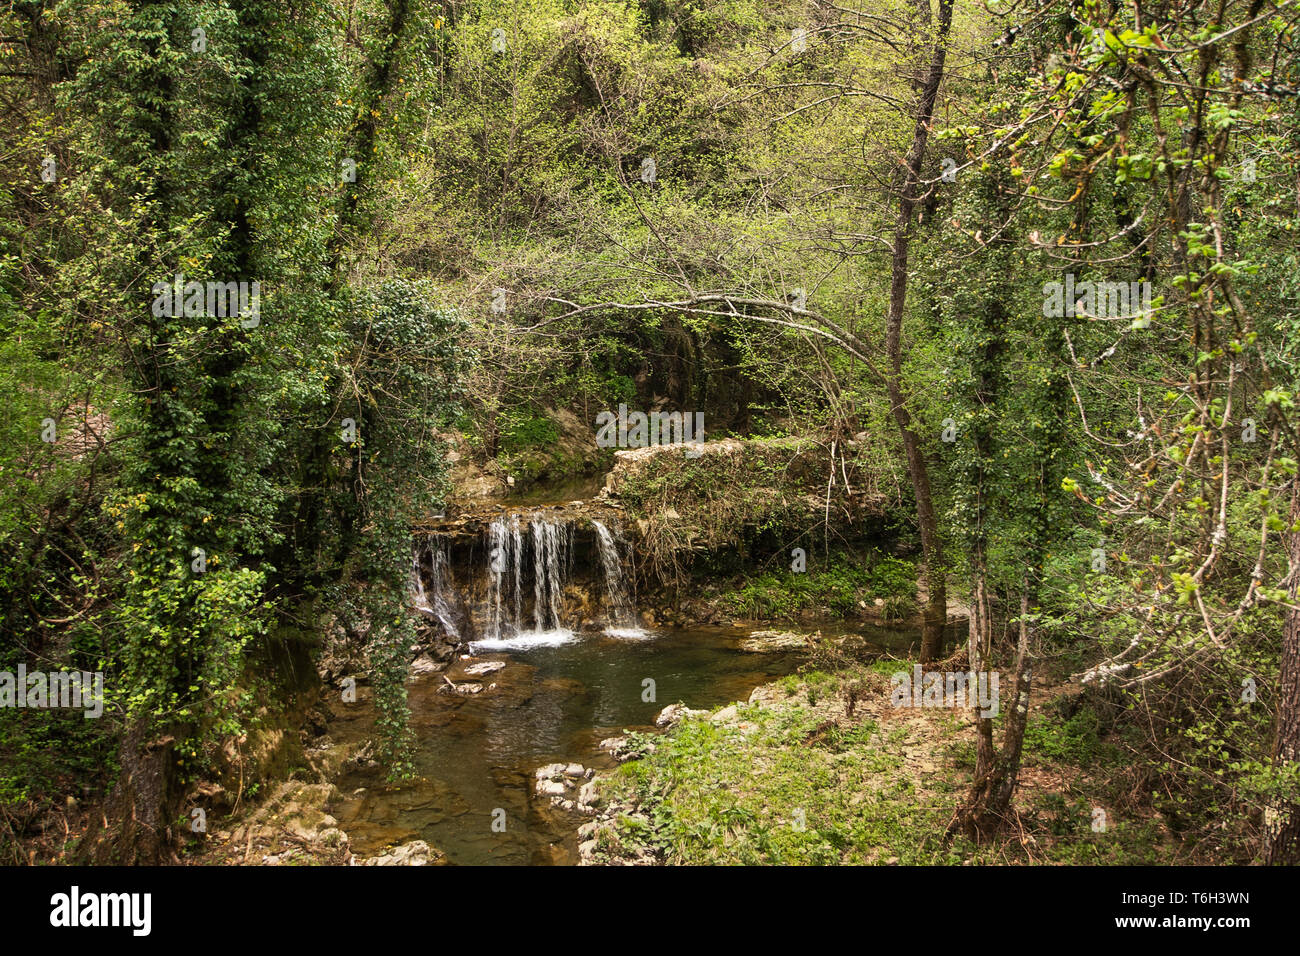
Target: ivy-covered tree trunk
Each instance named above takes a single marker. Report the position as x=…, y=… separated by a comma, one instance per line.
x=142, y=813
x=1000, y=419
x=136, y=826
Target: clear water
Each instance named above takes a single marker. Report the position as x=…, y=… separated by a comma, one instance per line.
x=554, y=702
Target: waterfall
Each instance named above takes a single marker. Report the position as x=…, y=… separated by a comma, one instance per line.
x=550, y=557
x=550, y=571
x=440, y=579
x=418, y=597
x=517, y=549
x=622, y=607
x=516, y=598
x=439, y=604
x=505, y=565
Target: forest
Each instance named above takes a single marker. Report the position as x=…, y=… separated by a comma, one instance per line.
x=649, y=432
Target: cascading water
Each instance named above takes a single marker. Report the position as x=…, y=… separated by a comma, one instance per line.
x=517, y=562
x=549, y=559
x=622, y=607
x=517, y=598
x=503, y=553
x=550, y=571
x=418, y=597
x=441, y=582
x=437, y=604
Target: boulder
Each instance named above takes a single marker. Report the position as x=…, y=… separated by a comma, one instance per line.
x=424, y=664
x=765, y=642
x=675, y=713
x=483, y=668
x=415, y=853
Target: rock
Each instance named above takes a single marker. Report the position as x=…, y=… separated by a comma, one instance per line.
x=328, y=758
x=550, y=771
x=765, y=694
x=551, y=788
x=424, y=664
x=415, y=853
x=587, y=795
x=310, y=825
x=587, y=850
x=483, y=668
x=574, y=770
x=333, y=837
x=470, y=688
x=725, y=716
x=675, y=713
x=763, y=642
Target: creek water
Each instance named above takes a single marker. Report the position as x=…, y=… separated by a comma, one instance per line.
x=549, y=591
x=555, y=700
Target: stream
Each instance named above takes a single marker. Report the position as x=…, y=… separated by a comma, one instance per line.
x=555, y=700
x=548, y=590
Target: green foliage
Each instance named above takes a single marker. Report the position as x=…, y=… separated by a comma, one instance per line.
x=527, y=429
x=404, y=367
x=1075, y=740
x=841, y=590
x=212, y=482
x=199, y=495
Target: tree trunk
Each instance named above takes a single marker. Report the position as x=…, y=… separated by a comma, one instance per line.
x=137, y=827
x=1281, y=840
x=936, y=610
x=996, y=772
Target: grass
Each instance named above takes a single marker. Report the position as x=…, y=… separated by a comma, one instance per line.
x=1075, y=741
